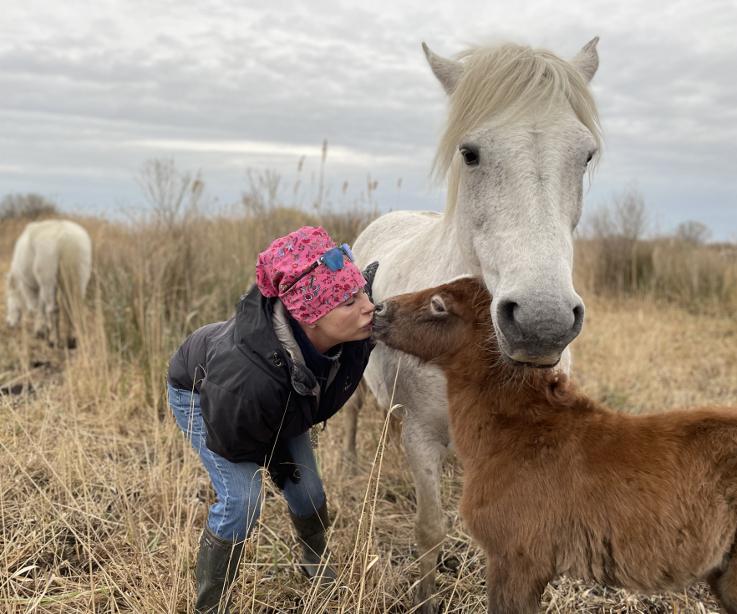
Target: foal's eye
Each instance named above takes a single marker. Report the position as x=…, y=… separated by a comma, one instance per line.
x=470, y=155
x=437, y=306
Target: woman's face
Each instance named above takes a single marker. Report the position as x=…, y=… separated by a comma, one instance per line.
x=350, y=321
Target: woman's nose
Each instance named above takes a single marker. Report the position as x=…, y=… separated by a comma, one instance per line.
x=368, y=306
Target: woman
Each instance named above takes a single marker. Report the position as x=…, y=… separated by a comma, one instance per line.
x=246, y=392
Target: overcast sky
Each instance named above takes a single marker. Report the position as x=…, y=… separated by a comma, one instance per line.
x=91, y=90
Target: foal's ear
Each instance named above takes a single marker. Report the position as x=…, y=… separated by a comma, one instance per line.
x=447, y=71
x=587, y=60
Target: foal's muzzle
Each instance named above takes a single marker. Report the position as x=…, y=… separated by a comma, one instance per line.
x=380, y=321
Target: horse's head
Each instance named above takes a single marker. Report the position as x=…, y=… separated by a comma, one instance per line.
x=521, y=133
x=437, y=324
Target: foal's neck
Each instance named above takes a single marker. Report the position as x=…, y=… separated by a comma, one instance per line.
x=489, y=385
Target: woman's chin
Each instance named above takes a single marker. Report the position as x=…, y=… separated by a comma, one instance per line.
x=363, y=333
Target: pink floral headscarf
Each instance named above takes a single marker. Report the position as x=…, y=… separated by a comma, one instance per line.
x=318, y=292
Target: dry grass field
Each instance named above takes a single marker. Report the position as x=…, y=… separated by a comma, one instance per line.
x=102, y=501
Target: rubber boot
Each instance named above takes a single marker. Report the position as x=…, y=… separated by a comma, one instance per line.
x=311, y=536
x=217, y=566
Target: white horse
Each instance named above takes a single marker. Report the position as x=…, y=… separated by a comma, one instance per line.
x=49, y=256
x=521, y=132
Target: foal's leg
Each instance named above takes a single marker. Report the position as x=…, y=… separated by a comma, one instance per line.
x=724, y=586
x=513, y=585
x=425, y=452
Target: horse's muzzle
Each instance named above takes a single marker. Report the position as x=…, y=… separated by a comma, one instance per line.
x=537, y=334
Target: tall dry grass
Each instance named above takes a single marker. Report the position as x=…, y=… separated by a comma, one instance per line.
x=102, y=501
x=697, y=277
x=615, y=259
x=164, y=274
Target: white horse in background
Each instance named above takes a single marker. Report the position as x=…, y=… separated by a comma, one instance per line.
x=49, y=256
x=521, y=132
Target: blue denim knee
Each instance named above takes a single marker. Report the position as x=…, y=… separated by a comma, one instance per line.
x=238, y=485
x=307, y=495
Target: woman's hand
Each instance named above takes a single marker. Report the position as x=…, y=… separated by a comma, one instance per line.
x=282, y=465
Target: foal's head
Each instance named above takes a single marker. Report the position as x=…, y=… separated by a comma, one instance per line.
x=450, y=325
x=438, y=323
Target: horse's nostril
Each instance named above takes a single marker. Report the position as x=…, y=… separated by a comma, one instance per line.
x=379, y=309
x=578, y=312
x=506, y=311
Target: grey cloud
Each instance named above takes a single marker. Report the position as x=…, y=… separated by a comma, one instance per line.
x=295, y=74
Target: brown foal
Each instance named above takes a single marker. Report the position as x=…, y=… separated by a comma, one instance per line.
x=555, y=483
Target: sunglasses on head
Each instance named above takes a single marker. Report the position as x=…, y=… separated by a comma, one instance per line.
x=332, y=259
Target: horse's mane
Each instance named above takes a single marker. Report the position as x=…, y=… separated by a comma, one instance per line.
x=508, y=80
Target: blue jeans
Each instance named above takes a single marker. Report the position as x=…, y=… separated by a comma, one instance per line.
x=238, y=485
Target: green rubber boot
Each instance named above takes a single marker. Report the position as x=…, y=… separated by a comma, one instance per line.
x=217, y=567
x=311, y=536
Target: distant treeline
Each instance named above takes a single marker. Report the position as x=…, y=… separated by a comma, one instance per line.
x=26, y=206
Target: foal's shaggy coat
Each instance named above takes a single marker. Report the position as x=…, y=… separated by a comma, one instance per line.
x=557, y=484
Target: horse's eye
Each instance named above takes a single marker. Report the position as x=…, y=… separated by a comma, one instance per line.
x=470, y=156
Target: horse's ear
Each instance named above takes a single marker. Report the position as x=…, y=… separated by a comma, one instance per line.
x=447, y=71
x=587, y=60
